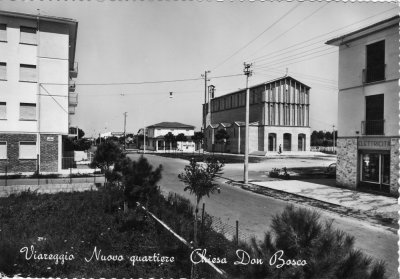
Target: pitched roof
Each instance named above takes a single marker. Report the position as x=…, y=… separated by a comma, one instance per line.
x=171, y=125
x=264, y=83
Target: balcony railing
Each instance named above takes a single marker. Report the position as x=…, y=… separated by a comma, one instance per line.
x=373, y=127
x=73, y=72
x=71, y=110
x=373, y=74
x=72, y=87
x=73, y=99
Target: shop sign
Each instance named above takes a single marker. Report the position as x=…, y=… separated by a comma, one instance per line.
x=50, y=138
x=374, y=143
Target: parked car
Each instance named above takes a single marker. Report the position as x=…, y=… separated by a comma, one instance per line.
x=331, y=170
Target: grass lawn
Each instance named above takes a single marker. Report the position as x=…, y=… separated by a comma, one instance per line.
x=66, y=224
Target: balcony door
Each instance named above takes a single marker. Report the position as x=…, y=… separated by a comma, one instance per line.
x=374, y=110
x=375, y=62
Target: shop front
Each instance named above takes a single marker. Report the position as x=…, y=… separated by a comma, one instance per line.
x=374, y=164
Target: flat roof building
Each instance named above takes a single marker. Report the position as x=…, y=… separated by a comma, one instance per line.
x=37, y=67
x=368, y=116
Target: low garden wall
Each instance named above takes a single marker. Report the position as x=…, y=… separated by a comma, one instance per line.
x=5, y=191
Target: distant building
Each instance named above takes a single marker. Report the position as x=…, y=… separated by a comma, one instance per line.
x=368, y=124
x=155, y=136
x=279, y=118
x=37, y=67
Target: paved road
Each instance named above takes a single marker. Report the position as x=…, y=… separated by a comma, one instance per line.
x=255, y=211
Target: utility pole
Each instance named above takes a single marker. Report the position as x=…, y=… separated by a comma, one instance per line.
x=334, y=151
x=248, y=72
x=125, y=130
x=144, y=140
x=205, y=99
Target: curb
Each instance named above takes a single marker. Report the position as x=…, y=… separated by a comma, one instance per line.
x=353, y=211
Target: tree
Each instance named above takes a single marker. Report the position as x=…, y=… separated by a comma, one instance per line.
x=107, y=154
x=328, y=253
x=181, y=137
x=198, y=138
x=222, y=137
x=81, y=133
x=169, y=138
x=200, y=181
x=139, y=180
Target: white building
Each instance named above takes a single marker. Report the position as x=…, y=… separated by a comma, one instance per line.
x=155, y=136
x=368, y=124
x=37, y=64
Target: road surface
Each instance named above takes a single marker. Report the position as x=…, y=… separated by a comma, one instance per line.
x=255, y=212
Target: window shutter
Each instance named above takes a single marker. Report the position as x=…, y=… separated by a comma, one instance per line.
x=27, y=73
x=27, y=150
x=27, y=111
x=3, y=110
x=28, y=35
x=3, y=150
x=3, y=71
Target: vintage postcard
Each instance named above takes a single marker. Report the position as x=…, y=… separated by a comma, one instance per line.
x=199, y=139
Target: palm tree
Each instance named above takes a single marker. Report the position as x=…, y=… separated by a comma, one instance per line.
x=200, y=181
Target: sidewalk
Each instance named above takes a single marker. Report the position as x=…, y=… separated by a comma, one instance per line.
x=380, y=206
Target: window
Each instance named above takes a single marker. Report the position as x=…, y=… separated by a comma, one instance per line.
x=374, y=111
x=3, y=110
x=27, y=111
x=27, y=73
x=3, y=33
x=3, y=150
x=375, y=68
x=28, y=35
x=3, y=71
x=27, y=150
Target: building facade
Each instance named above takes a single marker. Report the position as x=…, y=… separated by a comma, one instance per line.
x=37, y=65
x=155, y=140
x=279, y=118
x=368, y=122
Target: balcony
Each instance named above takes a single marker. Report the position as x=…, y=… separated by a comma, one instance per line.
x=71, y=110
x=374, y=74
x=72, y=87
x=73, y=72
x=73, y=132
x=73, y=99
x=373, y=127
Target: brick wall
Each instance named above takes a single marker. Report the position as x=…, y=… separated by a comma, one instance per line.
x=394, y=166
x=346, y=170
x=48, y=153
x=15, y=165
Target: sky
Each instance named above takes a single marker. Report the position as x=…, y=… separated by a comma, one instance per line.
x=165, y=46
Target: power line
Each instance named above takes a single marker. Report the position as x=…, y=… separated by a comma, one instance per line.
x=259, y=35
x=321, y=35
x=291, y=57
x=311, y=54
x=141, y=82
x=293, y=26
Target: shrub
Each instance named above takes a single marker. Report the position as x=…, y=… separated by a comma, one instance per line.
x=329, y=253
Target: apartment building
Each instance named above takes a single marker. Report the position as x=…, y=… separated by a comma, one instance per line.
x=279, y=118
x=37, y=67
x=368, y=121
